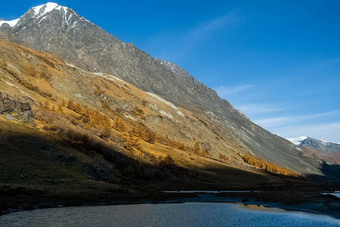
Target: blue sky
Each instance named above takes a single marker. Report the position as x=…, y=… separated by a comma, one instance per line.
x=277, y=61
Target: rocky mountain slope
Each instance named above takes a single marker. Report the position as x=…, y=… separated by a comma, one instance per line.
x=60, y=30
x=43, y=93
x=69, y=136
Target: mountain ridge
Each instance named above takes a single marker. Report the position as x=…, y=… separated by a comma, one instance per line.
x=85, y=45
x=321, y=144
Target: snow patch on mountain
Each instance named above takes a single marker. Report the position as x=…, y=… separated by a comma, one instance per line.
x=11, y=23
x=324, y=140
x=167, y=114
x=172, y=106
x=297, y=140
x=322, y=144
x=41, y=10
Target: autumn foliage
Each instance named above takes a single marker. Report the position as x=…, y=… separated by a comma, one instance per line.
x=267, y=166
x=168, y=161
x=128, y=136
x=178, y=144
x=119, y=124
x=223, y=157
x=131, y=142
x=198, y=151
x=144, y=134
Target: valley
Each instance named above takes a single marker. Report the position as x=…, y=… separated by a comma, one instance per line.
x=86, y=119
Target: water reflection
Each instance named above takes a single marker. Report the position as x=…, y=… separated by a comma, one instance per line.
x=336, y=193
x=260, y=208
x=184, y=214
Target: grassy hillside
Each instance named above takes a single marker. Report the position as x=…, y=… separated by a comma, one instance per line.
x=68, y=133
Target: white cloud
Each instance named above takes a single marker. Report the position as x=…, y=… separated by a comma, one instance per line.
x=225, y=92
x=270, y=123
x=274, y=122
x=259, y=108
x=176, y=45
x=207, y=28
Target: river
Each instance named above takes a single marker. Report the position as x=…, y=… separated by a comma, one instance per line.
x=178, y=214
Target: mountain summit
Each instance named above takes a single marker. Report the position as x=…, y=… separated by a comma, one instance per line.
x=46, y=8
x=61, y=31
x=38, y=12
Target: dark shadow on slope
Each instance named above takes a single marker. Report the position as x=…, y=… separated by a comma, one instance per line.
x=42, y=154
x=31, y=159
x=46, y=171
x=330, y=172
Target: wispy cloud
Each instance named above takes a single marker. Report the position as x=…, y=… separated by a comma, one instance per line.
x=259, y=108
x=170, y=46
x=206, y=28
x=271, y=123
x=225, y=92
x=330, y=130
x=204, y=31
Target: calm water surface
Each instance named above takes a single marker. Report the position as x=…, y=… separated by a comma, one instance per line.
x=185, y=214
x=336, y=194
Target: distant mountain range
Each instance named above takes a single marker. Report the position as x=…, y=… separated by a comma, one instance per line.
x=322, y=144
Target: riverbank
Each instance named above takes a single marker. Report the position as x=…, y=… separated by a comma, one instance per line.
x=306, y=199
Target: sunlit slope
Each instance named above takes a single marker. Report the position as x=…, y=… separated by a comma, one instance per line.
x=65, y=33
x=76, y=105
x=50, y=85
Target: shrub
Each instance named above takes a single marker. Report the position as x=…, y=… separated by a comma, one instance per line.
x=60, y=108
x=144, y=134
x=168, y=161
x=31, y=72
x=197, y=148
x=139, y=112
x=105, y=133
x=223, y=157
x=106, y=105
x=131, y=142
x=119, y=124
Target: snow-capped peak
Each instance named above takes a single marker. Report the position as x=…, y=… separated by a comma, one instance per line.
x=297, y=140
x=41, y=10
x=11, y=23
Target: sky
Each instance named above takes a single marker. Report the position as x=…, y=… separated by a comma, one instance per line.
x=278, y=61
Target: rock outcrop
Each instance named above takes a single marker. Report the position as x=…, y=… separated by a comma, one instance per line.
x=15, y=107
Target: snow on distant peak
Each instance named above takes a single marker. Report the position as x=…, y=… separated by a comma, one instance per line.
x=297, y=140
x=11, y=23
x=325, y=140
x=46, y=8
